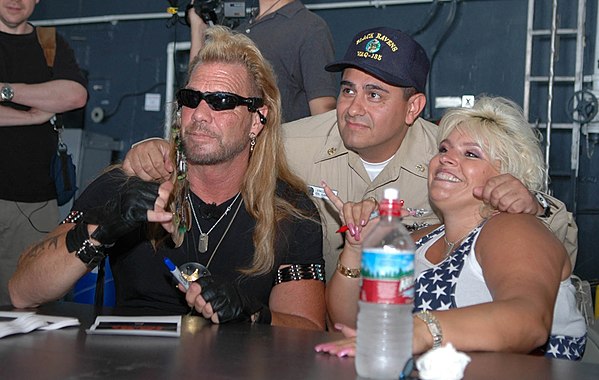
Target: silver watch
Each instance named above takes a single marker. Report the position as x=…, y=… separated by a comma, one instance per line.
x=7, y=93
x=545, y=204
x=433, y=326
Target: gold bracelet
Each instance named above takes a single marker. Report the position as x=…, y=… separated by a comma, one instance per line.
x=348, y=272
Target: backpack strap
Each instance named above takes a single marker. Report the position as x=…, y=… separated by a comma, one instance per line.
x=47, y=39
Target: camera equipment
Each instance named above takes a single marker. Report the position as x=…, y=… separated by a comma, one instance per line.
x=208, y=10
x=221, y=12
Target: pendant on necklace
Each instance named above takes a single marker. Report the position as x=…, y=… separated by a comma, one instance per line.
x=192, y=271
x=203, y=244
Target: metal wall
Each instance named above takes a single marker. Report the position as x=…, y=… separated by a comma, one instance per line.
x=476, y=46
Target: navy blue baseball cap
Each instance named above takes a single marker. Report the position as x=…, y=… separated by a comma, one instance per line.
x=389, y=55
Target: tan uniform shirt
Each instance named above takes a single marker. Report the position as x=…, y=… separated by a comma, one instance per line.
x=316, y=152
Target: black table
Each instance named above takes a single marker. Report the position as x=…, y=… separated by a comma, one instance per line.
x=206, y=351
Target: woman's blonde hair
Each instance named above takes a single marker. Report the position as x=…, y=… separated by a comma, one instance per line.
x=267, y=162
x=500, y=128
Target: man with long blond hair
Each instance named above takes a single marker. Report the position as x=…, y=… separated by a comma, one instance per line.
x=242, y=226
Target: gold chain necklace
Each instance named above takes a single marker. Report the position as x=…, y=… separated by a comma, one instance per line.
x=203, y=244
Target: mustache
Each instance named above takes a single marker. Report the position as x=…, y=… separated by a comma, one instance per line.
x=195, y=128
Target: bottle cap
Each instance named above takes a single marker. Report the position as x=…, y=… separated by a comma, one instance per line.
x=391, y=194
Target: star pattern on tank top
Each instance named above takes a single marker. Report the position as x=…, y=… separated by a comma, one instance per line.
x=435, y=290
x=435, y=287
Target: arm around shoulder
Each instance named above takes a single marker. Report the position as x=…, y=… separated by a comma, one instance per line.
x=563, y=225
x=149, y=160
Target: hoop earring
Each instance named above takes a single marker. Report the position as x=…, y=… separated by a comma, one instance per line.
x=252, y=141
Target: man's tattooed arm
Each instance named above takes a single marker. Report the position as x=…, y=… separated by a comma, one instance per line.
x=31, y=284
x=38, y=248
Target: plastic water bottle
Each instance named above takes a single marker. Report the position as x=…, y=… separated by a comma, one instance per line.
x=384, y=341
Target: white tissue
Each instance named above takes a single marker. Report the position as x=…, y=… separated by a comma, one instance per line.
x=443, y=363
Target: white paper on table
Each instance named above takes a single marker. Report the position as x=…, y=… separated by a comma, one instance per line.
x=19, y=322
x=144, y=325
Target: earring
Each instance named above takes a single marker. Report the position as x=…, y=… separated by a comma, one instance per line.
x=252, y=141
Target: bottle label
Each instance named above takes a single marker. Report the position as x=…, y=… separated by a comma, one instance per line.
x=387, y=277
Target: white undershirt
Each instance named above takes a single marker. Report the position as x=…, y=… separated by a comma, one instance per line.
x=373, y=169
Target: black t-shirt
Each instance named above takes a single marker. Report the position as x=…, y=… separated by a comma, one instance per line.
x=142, y=280
x=26, y=151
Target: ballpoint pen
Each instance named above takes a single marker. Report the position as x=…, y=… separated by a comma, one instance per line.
x=176, y=273
x=373, y=215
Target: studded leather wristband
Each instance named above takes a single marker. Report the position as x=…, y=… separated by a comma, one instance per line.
x=90, y=254
x=76, y=236
x=77, y=240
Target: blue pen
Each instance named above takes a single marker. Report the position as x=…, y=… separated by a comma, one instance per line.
x=176, y=273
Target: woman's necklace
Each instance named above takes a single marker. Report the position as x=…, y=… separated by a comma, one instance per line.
x=451, y=244
x=259, y=17
x=203, y=244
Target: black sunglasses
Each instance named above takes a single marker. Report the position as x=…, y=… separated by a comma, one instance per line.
x=218, y=101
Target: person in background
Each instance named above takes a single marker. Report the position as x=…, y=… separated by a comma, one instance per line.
x=486, y=280
x=298, y=44
x=237, y=211
x=31, y=93
x=374, y=140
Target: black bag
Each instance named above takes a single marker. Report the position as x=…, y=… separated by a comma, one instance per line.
x=63, y=170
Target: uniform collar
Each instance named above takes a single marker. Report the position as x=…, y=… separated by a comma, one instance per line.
x=408, y=156
x=332, y=146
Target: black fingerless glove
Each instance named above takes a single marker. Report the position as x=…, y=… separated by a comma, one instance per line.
x=123, y=213
x=231, y=304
